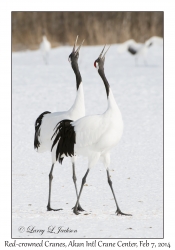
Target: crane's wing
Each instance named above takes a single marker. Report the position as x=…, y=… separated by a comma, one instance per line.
x=89, y=129
x=84, y=132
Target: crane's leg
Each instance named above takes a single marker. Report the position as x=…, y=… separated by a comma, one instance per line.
x=118, y=211
x=50, y=184
x=47, y=58
x=75, y=209
x=106, y=161
x=74, y=180
x=92, y=161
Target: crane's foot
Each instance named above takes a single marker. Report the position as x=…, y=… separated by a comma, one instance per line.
x=120, y=212
x=75, y=210
x=51, y=209
x=79, y=208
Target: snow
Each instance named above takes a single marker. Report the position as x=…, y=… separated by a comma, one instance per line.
x=136, y=163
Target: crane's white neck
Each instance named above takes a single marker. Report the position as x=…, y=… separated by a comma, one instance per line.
x=111, y=101
x=78, y=108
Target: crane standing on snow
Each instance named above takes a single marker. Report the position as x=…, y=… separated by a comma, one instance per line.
x=45, y=47
x=91, y=136
x=140, y=51
x=46, y=122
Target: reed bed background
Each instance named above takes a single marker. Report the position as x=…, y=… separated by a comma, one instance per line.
x=61, y=28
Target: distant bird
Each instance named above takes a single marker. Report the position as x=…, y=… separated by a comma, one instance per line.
x=45, y=47
x=46, y=122
x=91, y=136
x=139, y=51
x=122, y=47
x=154, y=40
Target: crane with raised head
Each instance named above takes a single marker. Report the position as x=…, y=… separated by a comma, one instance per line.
x=91, y=136
x=46, y=122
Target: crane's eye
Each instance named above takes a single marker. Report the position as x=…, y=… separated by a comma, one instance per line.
x=96, y=65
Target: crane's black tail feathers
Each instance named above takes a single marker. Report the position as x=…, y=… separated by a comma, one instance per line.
x=37, y=129
x=132, y=50
x=65, y=138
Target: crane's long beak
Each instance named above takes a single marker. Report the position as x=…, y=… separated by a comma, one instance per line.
x=102, y=51
x=106, y=52
x=100, y=56
x=79, y=47
x=75, y=43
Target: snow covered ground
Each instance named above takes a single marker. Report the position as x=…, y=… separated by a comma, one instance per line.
x=136, y=163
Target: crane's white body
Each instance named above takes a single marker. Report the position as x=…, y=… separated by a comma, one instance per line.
x=50, y=120
x=154, y=39
x=143, y=50
x=45, y=47
x=97, y=134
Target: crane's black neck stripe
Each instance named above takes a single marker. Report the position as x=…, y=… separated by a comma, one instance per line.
x=38, y=123
x=64, y=138
x=77, y=74
x=107, y=86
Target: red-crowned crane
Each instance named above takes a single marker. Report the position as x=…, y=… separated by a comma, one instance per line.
x=45, y=47
x=46, y=122
x=91, y=136
x=140, y=51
